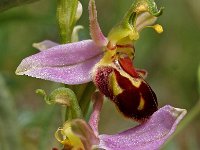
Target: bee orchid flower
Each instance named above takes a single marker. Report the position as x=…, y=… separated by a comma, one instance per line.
x=106, y=61
x=152, y=134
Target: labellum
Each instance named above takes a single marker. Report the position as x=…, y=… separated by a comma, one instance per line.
x=116, y=77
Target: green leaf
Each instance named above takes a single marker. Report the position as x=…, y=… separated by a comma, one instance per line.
x=6, y=4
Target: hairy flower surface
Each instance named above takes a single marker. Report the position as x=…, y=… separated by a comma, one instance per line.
x=106, y=61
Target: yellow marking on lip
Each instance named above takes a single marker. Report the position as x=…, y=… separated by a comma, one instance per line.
x=114, y=85
x=141, y=104
x=135, y=81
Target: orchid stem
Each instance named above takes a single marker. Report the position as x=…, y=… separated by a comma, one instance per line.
x=66, y=17
x=62, y=21
x=66, y=12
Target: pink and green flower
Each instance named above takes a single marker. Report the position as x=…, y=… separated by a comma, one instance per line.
x=108, y=62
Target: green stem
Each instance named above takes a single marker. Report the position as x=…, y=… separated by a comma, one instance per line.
x=79, y=90
x=86, y=98
x=62, y=21
x=66, y=12
x=66, y=16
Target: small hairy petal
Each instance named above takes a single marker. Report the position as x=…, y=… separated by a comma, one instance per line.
x=86, y=134
x=94, y=118
x=95, y=30
x=68, y=63
x=149, y=135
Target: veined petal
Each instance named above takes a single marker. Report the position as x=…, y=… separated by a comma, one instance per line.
x=68, y=63
x=95, y=30
x=149, y=135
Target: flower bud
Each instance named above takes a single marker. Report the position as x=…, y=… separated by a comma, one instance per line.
x=79, y=11
x=66, y=137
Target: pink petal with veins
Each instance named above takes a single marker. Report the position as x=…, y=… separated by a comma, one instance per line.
x=69, y=63
x=149, y=135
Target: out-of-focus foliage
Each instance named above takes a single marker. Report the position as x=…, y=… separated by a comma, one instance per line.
x=171, y=59
x=6, y=4
x=9, y=125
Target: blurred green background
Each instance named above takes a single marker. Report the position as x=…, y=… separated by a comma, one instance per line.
x=171, y=58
